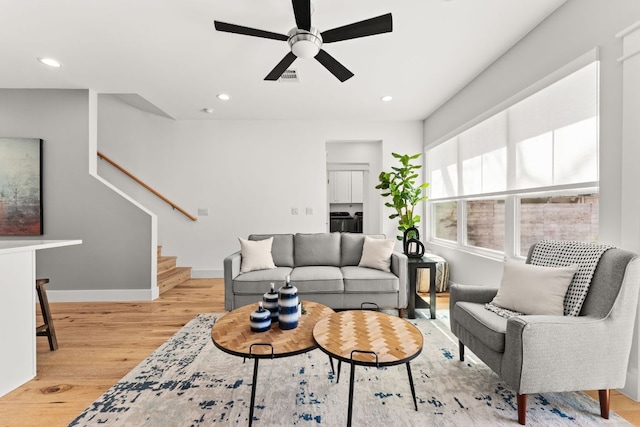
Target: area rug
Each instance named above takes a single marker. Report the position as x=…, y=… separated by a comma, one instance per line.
x=189, y=382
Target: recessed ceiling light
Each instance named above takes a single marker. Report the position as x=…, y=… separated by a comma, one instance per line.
x=223, y=97
x=386, y=98
x=208, y=110
x=50, y=62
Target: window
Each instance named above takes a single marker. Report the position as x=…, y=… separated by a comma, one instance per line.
x=527, y=172
x=486, y=224
x=446, y=221
x=566, y=217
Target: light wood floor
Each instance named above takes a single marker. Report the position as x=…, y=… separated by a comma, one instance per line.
x=101, y=342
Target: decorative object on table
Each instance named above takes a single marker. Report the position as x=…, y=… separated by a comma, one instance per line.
x=20, y=187
x=400, y=185
x=413, y=247
x=288, y=310
x=260, y=319
x=270, y=302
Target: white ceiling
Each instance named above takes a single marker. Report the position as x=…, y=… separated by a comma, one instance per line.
x=168, y=52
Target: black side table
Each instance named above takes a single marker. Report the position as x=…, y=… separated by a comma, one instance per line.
x=415, y=300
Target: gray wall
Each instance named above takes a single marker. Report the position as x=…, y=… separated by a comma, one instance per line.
x=115, y=254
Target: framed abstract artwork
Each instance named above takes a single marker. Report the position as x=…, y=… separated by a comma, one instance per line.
x=20, y=187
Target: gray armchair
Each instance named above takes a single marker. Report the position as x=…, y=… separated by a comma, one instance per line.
x=540, y=353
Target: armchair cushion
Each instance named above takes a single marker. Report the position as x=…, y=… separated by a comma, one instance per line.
x=486, y=326
x=532, y=289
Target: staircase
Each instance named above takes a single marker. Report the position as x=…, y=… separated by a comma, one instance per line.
x=170, y=276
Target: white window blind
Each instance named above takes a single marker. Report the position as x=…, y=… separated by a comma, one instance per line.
x=443, y=167
x=552, y=136
x=554, y=132
x=483, y=154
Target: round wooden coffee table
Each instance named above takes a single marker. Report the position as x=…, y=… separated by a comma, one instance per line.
x=232, y=334
x=368, y=338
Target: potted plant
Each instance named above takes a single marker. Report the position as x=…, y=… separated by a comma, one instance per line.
x=400, y=185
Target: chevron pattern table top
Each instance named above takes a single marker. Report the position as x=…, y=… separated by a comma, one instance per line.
x=393, y=339
x=232, y=333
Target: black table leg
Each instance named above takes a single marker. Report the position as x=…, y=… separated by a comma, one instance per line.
x=432, y=291
x=339, y=368
x=253, y=390
x=351, y=379
x=411, y=309
x=333, y=371
x=413, y=390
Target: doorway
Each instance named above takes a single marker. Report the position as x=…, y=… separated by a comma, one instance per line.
x=353, y=202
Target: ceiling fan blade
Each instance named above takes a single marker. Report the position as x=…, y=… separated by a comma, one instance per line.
x=369, y=27
x=302, y=11
x=281, y=67
x=331, y=64
x=238, y=29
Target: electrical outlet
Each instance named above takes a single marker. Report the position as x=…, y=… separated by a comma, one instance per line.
x=294, y=211
x=203, y=211
x=309, y=211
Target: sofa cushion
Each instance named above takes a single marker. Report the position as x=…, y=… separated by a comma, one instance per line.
x=367, y=280
x=256, y=255
x=281, y=249
x=258, y=282
x=317, y=279
x=351, y=247
x=317, y=249
x=376, y=253
x=486, y=326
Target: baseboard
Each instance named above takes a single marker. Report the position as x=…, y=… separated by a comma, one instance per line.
x=101, y=295
x=207, y=274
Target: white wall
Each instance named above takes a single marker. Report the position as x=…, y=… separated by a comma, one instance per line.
x=249, y=174
x=114, y=261
x=575, y=28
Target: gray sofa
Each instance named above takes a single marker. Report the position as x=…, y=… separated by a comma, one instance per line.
x=324, y=268
x=546, y=353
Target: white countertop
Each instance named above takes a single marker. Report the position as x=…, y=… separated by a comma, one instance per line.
x=13, y=246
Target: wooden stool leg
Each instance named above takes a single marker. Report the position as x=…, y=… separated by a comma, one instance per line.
x=47, y=329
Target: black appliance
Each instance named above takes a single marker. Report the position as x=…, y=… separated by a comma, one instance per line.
x=357, y=217
x=341, y=221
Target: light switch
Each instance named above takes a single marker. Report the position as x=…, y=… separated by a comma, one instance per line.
x=203, y=211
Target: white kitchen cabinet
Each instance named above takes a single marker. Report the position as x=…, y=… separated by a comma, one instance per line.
x=346, y=187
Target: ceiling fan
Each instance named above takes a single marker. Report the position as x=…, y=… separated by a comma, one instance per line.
x=306, y=42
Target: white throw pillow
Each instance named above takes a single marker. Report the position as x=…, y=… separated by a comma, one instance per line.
x=532, y=289
x=376, y=253
x=256, y=255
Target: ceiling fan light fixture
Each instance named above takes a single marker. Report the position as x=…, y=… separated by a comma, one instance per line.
x=305, y=44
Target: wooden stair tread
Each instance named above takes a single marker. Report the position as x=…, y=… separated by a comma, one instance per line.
x=171, y=278
x=169, y=275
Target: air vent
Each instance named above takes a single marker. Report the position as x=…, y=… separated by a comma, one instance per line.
x=289, y=76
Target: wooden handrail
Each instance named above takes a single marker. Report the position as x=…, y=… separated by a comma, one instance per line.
x=136, y=179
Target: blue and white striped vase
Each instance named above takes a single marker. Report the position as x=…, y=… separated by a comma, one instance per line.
x=288, y=314
x=260, y=319
x=270, y=302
